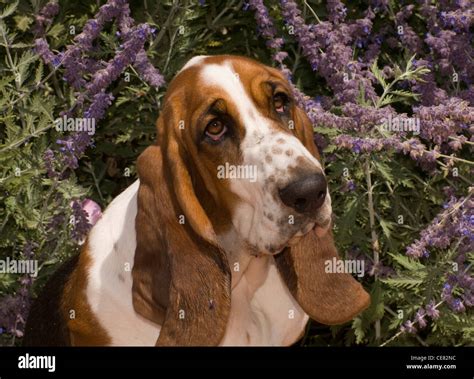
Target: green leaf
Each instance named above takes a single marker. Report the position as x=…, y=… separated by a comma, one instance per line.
x=56, y=31
x=359, y=330
x=397, y=71
x=387, y=227
x=410, y=62
x=24, y=63
x=331, y=132
x=408, y=263
x=329, y=149
x=9, y=9
x=403, y=93
x=388, y=100
x=20, y=45
x=378, y=74
x=39, y=72
x=385, y=170
x=44, y=106
x=395, y=323
x=407, y=183
x=405, y=283
x=121, y=100
x=376, y=309
x=351, y=209
x=23, y=22
x=361, y=96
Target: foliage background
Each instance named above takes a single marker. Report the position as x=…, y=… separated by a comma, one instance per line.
x=36, y=210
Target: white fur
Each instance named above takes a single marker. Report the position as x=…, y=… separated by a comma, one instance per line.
x=263, y=312
x=262, y=306
x=112, y=243
x=194, y=61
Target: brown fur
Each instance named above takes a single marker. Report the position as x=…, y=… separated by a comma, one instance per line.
x=84, y=328
x=181, y=278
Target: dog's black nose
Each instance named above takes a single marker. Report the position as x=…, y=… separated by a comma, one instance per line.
x=305, y=195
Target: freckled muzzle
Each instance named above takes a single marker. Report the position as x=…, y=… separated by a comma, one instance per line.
x=306, y=194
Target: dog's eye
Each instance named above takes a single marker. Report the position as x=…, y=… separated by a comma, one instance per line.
x=280, y=102
x=216, y=130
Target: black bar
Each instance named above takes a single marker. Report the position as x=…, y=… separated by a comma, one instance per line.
x=363, y=361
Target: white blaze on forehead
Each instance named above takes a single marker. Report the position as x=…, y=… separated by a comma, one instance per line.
x=195, y=61
x=224, y=77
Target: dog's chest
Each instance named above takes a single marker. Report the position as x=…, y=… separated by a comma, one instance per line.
x=263, y=312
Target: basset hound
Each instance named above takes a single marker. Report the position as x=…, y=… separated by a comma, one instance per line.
x=222, y=240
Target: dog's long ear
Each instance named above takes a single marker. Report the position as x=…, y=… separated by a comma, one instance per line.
x=181, y=278
x=330, y=298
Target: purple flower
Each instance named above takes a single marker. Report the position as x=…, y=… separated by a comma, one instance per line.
x=303, y=32
x=356, y=147
x=336, y=11
x=447, y=225
x=457, y=305
x=351, y=185
x=408, y=327
x=76, y=64
x=265, y=25
x=80, y=222
x=280, y=56
x=99, y=105
x=48, y=157
x=45, y=17
x=147, y=71
x=73, y=147
x=42, y=49
x=420, y=318
x=431, y=310
x=103, y=78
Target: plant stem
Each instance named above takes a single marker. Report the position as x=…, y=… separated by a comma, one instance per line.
x=165, y=26
x=457, y=139
x=312, y=11
x=16, y=74
x=168, y=57
x=96, y=182
x=455, y=159
x=374, y=238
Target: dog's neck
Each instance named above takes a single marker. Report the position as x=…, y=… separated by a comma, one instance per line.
x=263, y=312
x=243, y=260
